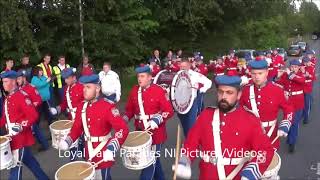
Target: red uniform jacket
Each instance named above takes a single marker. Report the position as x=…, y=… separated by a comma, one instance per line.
x=22, y=111
x=314, y=61
x=239, y=131
x=155, y=70
x=277, y=62
x=309, y=79
x=155, y=101
x=202, y=69
x=102, y=118
x=269, y=99
x=232, y=64
x=33, y=94
x=76, y=97
x=219, y=69
x=173, y=67
x=293, y=85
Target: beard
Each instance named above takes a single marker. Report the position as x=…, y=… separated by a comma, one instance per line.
x=225, y=106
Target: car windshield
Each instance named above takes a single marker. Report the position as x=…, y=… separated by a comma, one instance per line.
x=294, y=48
x=281, y=51
x=301, y=43
x=242, y=54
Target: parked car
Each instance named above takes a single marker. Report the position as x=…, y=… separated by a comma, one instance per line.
x=294, y=50
x=315, y=35
x=246, y=54
x=302, y=45
x=282, y=52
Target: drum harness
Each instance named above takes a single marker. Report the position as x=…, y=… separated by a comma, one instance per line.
x=219, y=160
x=253, y=103
x=143, y=115
x=102, y=139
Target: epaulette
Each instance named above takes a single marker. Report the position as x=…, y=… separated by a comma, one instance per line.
x=23, y=92
x=274, y=83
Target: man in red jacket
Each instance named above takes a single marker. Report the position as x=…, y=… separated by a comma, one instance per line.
x=309, y=73
x=96, y=117
x=265, y=99
x=29, y=90
x=293, y=82
x=151, y=108
x=222, y=129
x=19, y=114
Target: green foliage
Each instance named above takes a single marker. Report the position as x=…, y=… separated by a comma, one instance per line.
x=125, y=31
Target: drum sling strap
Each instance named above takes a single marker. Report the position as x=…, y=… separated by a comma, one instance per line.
x=91, y=151
x=141, y=108
x=72, y=111
x=218, y=151
x=255, y=109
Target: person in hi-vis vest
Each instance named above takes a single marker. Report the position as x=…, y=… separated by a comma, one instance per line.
x=59, y=83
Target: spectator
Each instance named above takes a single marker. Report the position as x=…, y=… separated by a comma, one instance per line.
x=9, y=63
x=58, y=81
x=26, y=67
x=168, y=58
x=156, y=57
x=85, y=68
x=47, y=72
x=179, y=53
x=42, y=83
x=110, y=83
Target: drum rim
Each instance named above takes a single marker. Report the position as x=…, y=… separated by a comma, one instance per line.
x=172, y=92
x=134, y=147
x=50, y=127
x=155, y=79
x=7, y=141
x=85, y=162
x=276, y=168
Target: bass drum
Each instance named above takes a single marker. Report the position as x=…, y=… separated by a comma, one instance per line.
x=164, y=79
x=182, y=93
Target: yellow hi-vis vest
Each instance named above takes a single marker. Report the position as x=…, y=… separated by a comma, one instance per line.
x=44, y=70
x=57, y=73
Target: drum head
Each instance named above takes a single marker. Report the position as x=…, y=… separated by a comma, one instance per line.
x=3, y=139
x=274, y=162
x=182, y=92
x=132, y=139
x=164, y=78
x=72, y=171
x=61, y=125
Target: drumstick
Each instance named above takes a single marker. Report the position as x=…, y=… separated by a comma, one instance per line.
x=177, y=154
x=145, y=131
x=275, y=139
x=94, y=165
x=68, y=123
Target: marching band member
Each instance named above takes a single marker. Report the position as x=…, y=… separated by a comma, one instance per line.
x=174, y=65
x=110, y=83
x=309, y=73
x=272, y=72
x=96, y=117
x=311, y=55
x=219, y=68
x=151, y=108
x=232, y=62
x=155, y=68
x=201, y=67
x=72, y=98
x=32, y=93
x=222, y=129
x=187, y=120
x=277, y=61
x=19, y=114
x=293, y=83
x=265, y=99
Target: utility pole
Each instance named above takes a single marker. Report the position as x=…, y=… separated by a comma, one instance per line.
x=81, y=27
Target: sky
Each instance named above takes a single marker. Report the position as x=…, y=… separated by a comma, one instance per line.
x=317, y=2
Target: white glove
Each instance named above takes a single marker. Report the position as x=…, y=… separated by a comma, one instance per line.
x=244, y=80
x=153, y=125
x=183, y=171
x=202, y=90
x=53, y=111
x=282, y=133
x=15, y=129
x=63, y=145
x=288, y=71
x=108, y=155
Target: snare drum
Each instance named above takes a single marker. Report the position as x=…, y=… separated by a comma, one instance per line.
x=136, y=152
x=60, y=130
x=72, y=171
x=272, y=172
x=6, y=158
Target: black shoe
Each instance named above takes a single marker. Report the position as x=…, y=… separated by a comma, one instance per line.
x=292, y=148
x=305, y=122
